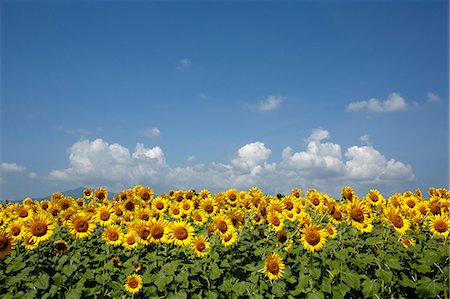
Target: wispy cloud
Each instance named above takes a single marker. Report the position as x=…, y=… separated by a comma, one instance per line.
x=152, y=132
x=183, y=63
x=270, y=103
x=394, y=102
x=11, y=167
x=433, y=98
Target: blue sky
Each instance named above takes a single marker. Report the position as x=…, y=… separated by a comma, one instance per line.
x=222, y=95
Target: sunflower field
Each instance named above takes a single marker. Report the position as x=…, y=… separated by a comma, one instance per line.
x=233, y=244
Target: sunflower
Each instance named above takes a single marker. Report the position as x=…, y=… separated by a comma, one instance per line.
x=60, y=246
x=175, y=211
x=439, y=225
x=398, y=221
x=422, y=207
x=160, y=205
x=129, y=204
x=16, y=230
x=274, y=267
x=105, y=215
x=408, y=242
x=199, y=245
x=199, y=217
x=30, y=244
x=276, y=221
x=133, y=284
x=144, y=214
x=209, y=205
x=223, y=224
x=282, y=237
x=142, y=230
x=359, y=212
x=296, y=192
x=186, y=207
x=44, y=204
x=7, y=243
x=80, y=202
x=81, y=225
x=181, y=233
x=40, y=228
x=146, y=194
x=375, y=198
x=159, y=231
x=275, y=205
x=434, y=205
x=113, y=235
x=347, y=193
x=257, y=219
x=65, y=215
x=331, y=231
x=313, y=238
x=66, y=203
x=24, y=214
x=337, y=217
x=87, y=193
x=229, y=238
x=410, y=202
x=130, y=240
x=101, y=194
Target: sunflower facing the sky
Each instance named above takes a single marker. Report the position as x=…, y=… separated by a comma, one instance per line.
x=274, y=267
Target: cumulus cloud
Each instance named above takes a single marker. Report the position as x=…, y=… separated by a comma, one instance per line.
x=270, y=103
x=322, y=164
x=152, y=132
x=433, y=98
x=11, y=167
x=394, y=102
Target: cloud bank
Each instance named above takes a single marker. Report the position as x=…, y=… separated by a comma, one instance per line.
x=322, y=165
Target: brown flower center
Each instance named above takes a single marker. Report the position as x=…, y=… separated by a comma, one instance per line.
x=208, y=208
x=113, y=236
x=273, y=267
x=145, y=196
x=435, y=208
x=15, y=231
x=275, y=220
x=315, y=201
x=411, y=203
x=130, y=240
x=357, y=214
x=23, y=213
x=312, y=237
x=282, y=238
x=101, y=195
x=144, y=233
x=374, y=197
x=159, y=205
x=200, y=246
x=397, y=220
x=157, y=232
x=4, y=243
x=104, y=215
x=39, y=228
x=129, y=206
x=180, y=233
x=81, y=225
x=223, y=227
x=133, y=283
x=440, y=225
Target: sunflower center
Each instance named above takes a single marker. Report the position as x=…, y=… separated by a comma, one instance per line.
x=337, y=215
x=330, y=230
x=145, y=196
x=374, y=197
x=157, y=232
x=209, y=208
x=119, y=212
x=81, y=225
x=435, y=208
x=145, y=216
x=129, y=206
x=130, y=240
x=232, y=197
x=60, y=246
x=200, y=246
x=411, y=203
x=104, y=215
x=397, y=220
x=223, y=227
x=133, y=283
x=282, y=238
x=198, y=217
x=275, y=220
x=3, y=243
x=44, y=206
x=159, y=205
x=257, y=217
x=186, y=206
x=315, y=201
x=357, y=214
x=15, y=231
x=180, y=233
x=101, y=195
x=39, y=228
x=144, y=233
x=289, y=205
x=273, y=267
x=440, y=226
x=312, y=237
x=175, y=211
x=65, y=206
x=23, y=213
x=113, y=236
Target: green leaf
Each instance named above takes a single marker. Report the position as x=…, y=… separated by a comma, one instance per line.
x=428, y=288
x=212, y=294
x=74, y=293
x=384, y=275
x=326, y=285
x=315, y=295
x=215, y=271
x=42, y=281
x=373, y=241
x=278, y=289
x=421, y=268
x=370, y=287
x=58, y=279
x=393, y=263
x=179, y=295
x=340, y=290
x=341, y=254
x=69, y=269
x=351, y=279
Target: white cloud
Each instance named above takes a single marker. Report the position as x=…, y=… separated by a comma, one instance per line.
x=153, y=132
x=270, y=103
x=11, y=167
x=433, y=98
x=183, y=63
x=394, y=102
x=365, y=139
x=322, y=165
x=190, y=159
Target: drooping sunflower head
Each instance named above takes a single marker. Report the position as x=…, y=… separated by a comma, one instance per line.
x=200, y=245
x=181, y=233
x=133, y=284
x=274, y=266
x=7, y=244
x=313, y=238
x=60, y=246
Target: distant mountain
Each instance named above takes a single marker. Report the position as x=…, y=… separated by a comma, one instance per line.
x=75, y=193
